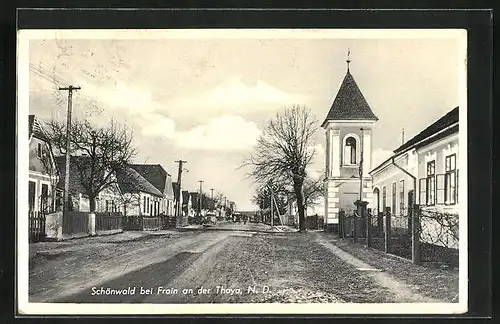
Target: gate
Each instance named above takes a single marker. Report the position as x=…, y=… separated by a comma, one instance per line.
x=36, y=226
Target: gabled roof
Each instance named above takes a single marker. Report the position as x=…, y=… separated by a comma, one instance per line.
x=154, y=173
x=447, y=120
x=130, y=181
x=444, y=126
x=36, y=129
x=75, y=185
x=350, y=104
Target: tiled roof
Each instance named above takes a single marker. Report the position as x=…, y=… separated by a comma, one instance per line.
x=129, y=181
x=75, y=185
x=154, y=173
x=447, y=120
x=350, y=104
x=35, y=128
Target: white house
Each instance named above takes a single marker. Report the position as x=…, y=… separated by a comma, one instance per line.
x=428, y=165
x=161, y=180
x=43, y=173
x=140, y=197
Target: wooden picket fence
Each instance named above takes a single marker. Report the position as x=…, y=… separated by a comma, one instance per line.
x=106, y=221
x=36, y=226
x=147, y=223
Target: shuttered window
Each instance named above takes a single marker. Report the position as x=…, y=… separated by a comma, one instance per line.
x=422, y=191
x=431, y=183
x=402, y=197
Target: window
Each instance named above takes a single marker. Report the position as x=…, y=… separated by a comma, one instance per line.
x=450, y=180
x=384, y=199
x=107, y=205
x=393, y=207
x=402, y=197
x=431, y=183
x=31, y=194
x=144, y=205
x=350, y=151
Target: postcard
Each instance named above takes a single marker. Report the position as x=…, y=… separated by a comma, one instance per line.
x=242, y=171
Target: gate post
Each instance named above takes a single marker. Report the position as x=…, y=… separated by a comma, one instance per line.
x=415, y=235
x=387, y=229
x=341, y=223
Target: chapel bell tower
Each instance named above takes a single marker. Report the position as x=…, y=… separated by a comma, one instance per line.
x=348, y=128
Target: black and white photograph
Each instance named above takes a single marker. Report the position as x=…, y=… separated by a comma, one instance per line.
x=233, y=171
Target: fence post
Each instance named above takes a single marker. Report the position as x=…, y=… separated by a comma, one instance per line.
x=341, y=223
x=387, y=229
x=368, y=228
x=415, y=235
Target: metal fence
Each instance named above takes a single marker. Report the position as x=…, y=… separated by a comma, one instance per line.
x=36, y=226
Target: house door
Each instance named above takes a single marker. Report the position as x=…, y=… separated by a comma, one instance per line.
x=31, y=194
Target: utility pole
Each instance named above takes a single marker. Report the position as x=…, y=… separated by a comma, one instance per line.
x=201, y=198
x=178, y=207
x=403, y=137
x=212, y=195
x=360, y=205
x=70, y=90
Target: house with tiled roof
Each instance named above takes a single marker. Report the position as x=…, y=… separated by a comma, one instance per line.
x=424, y=170
x=348, y=125
x=43, y=174
x=141, y=198
x=161, y=180
x=108, y=200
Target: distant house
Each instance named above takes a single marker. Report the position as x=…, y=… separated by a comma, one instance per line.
x=424, y=170
x=140, y=197
x=161, y=180
x=108, y=199
x=43, y=173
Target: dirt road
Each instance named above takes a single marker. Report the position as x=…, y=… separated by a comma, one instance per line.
x=234, y=265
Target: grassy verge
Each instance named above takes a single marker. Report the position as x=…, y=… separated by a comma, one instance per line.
x=440, y=284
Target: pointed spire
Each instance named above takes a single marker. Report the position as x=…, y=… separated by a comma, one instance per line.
x=348, y=59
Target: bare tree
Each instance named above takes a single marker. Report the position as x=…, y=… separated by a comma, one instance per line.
x=284, y=151
x=313, y=189
x=98, y=153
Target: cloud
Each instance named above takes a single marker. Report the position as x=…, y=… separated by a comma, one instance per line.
x=222, y=133
x=233, y=97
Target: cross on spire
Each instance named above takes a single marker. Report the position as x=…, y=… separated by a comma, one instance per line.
x=348, y=58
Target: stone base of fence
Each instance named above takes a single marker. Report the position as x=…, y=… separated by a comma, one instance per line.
x=91, y=226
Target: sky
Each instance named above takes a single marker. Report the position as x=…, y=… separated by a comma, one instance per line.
x=207, y=100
